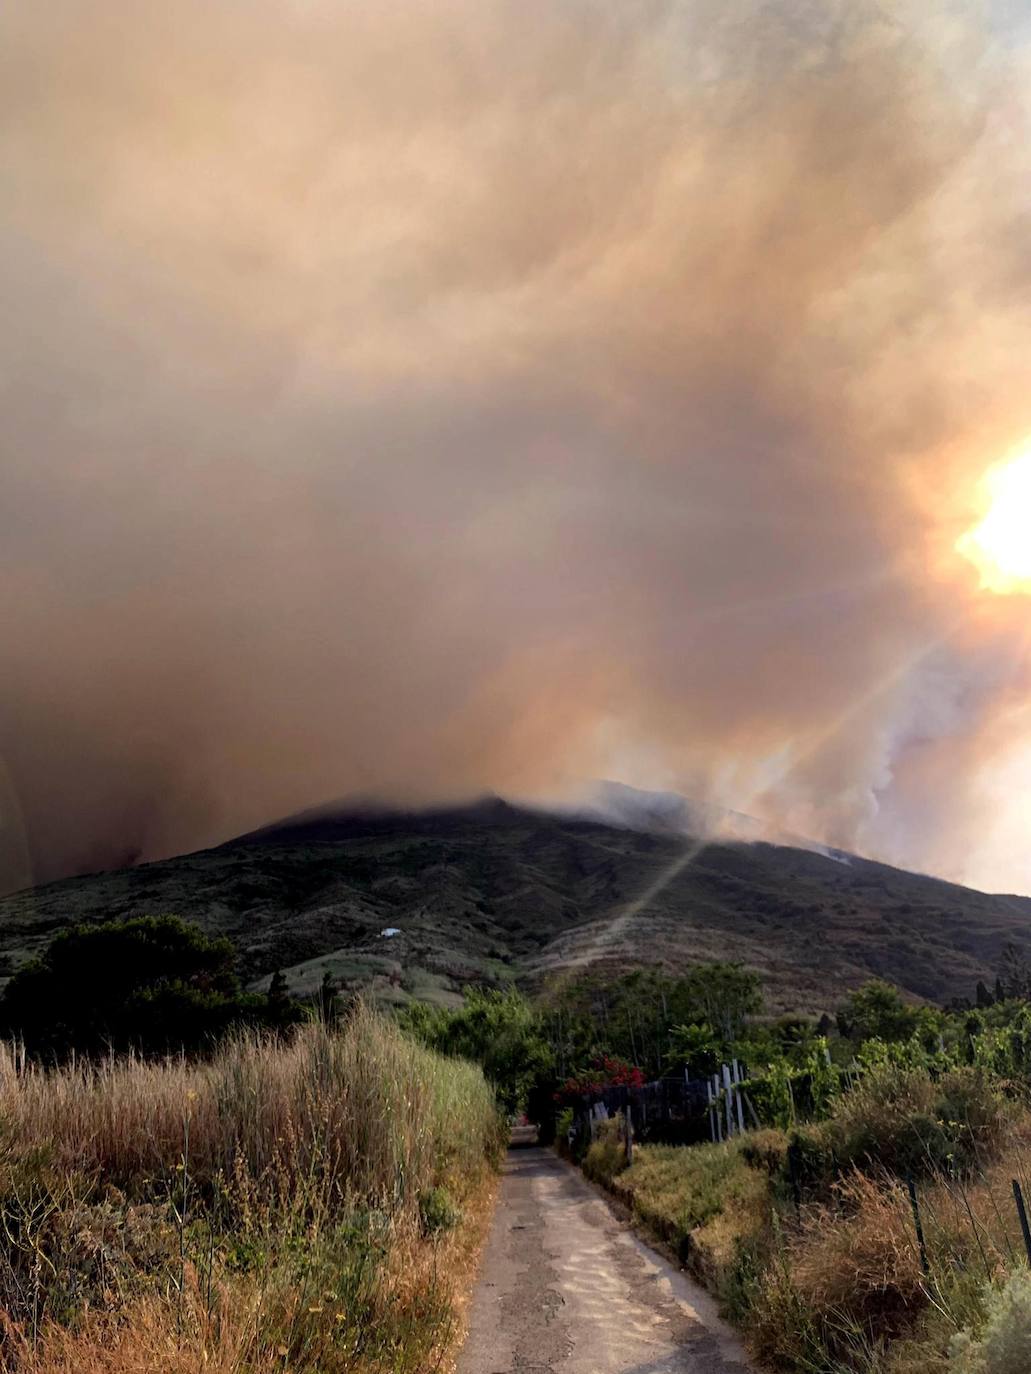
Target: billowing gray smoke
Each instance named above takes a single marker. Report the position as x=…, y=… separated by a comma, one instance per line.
x=408, y=399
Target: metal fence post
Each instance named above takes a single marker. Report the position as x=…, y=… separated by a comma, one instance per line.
x=1018, y=1198
x=918, y=1224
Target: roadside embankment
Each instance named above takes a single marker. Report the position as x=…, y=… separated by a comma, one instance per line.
x=884, y=1240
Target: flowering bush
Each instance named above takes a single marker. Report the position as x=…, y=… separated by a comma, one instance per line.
x=605, y=1071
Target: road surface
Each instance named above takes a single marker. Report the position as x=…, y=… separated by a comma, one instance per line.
x=566, y=1288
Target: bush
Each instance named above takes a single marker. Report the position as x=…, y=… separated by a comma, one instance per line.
x=907, y=1122
x=864, y=1265
x=153, y=984
x=848, y=1272
x=766, y=1151
x=437, y=1211
x=563, y=1126
x=606, y=1157
x=1004, y=1346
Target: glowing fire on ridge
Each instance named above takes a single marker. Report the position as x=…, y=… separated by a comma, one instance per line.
x=1000, y=545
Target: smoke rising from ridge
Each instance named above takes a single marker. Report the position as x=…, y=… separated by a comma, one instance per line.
x=408, y=400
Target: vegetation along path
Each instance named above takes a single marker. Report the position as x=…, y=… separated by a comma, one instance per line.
x=566, y=1288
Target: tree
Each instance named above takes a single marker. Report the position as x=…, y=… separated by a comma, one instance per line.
x=877, y=1012
x=152, y=983
x=1015, y=975
x=327, y=997
x=498, y=1030
x=724, y=995
x=282, y=1009
x=695, y=1048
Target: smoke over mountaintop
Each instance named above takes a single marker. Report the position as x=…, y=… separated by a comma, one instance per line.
x=409, y=400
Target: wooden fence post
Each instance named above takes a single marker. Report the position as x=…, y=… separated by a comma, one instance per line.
x=737, y=1099
x=728, y=1095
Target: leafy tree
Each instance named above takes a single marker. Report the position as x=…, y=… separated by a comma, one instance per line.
x=498, y=1030
x=153, y=984
x=635, y=1016
x=877, y=1012
x=695, y=1048
x=724, y=995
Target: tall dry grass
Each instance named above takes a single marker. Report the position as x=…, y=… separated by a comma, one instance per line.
x=262, y=1210
x=365, y=1109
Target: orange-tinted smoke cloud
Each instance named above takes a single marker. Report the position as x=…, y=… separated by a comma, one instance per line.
x=412, y=399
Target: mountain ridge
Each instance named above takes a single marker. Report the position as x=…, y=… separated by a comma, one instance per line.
x=492, y=890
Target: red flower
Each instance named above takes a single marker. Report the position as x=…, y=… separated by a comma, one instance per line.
x=605, y=1072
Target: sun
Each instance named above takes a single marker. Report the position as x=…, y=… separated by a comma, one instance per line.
x=1000, y=545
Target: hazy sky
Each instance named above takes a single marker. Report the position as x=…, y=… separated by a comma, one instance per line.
x=411, y=398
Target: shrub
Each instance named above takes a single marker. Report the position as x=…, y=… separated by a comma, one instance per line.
x=153, y=984
x=605, y=1071
x=606, y=1156
x=563, y=1126
x=437, y=1211
x=766, y=1150
x=864, y=1264
x=907, y=1122
x=1005, y=1343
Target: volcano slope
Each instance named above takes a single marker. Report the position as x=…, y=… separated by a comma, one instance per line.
x=491, y=892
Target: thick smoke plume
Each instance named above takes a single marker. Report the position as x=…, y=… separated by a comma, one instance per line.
x=409, y=399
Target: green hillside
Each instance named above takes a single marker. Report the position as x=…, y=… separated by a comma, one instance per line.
x=492, y=892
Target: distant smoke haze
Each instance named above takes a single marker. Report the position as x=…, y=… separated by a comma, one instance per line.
x=406, y=400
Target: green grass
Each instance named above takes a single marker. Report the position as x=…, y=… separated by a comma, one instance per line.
x=703, y=1201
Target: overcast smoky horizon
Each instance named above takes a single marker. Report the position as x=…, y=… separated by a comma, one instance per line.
x=406, y=401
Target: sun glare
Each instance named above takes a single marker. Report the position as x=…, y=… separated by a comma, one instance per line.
x=1000, y=545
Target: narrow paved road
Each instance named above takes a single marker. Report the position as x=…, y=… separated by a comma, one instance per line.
x=566, y=1288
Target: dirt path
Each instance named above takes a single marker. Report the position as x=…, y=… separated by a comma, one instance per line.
x=566, y=1288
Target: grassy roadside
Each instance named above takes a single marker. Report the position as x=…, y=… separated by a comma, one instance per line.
x=814, y=1254
x=315, y=1205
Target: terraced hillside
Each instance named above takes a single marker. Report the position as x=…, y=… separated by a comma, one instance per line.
x=492, y=892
